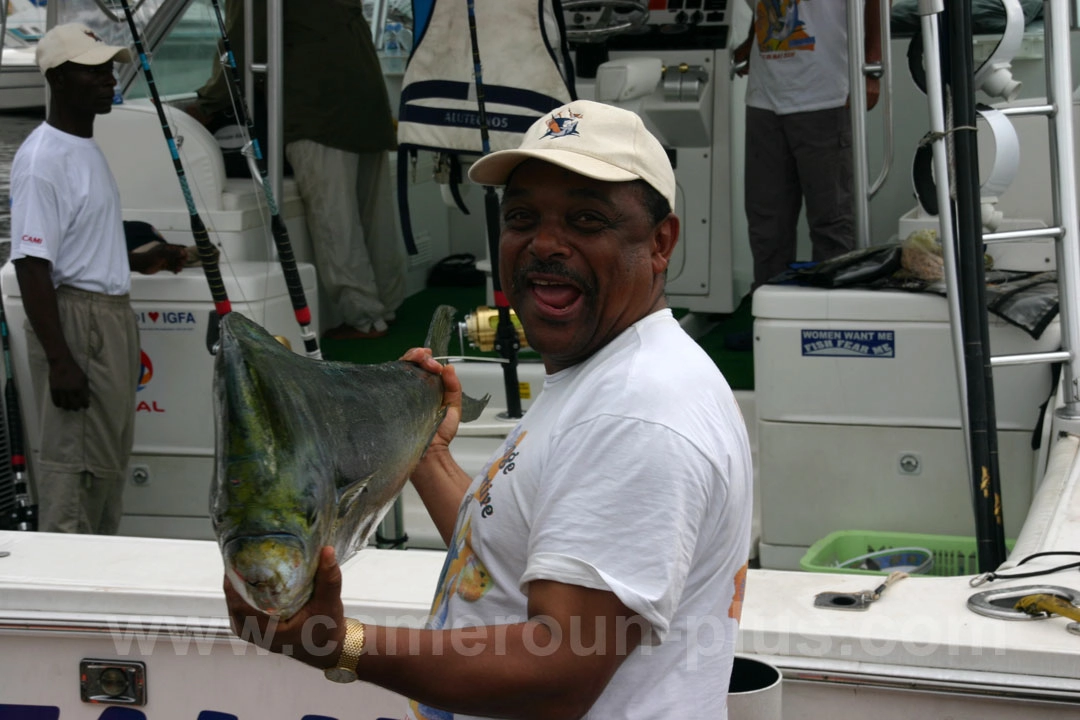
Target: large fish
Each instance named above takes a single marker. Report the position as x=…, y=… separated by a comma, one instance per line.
x=311, y=453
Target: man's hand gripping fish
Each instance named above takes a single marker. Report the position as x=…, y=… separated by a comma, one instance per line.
x=311, y=453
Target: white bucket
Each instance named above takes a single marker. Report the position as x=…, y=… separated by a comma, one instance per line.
x=754, y=690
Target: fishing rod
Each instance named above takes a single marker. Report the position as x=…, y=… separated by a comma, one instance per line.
x=24, y=516
x=506, y=337
x=277, y=225
x=207, y=253
x=985, y=474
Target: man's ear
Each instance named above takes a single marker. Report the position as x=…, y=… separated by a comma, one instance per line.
x=55, y=77
x=665, y=236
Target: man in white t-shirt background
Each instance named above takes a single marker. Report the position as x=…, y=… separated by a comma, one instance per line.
x=798, y=127
x=74, y=272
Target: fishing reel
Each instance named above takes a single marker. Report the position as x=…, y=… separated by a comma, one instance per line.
x=480, y=325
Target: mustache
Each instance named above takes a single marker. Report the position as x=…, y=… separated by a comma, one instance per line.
x=552, y=269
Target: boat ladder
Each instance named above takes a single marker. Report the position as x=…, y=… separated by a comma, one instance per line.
x=968, y=314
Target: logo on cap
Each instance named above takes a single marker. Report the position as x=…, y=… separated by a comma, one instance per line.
x=559, y=126
x=90, y=34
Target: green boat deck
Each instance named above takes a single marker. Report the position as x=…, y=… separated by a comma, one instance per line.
x=414, y=315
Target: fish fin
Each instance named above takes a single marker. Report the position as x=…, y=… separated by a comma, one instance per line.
x=438, y=341
x=346, y=496
x=441, y=330
x=471, y=407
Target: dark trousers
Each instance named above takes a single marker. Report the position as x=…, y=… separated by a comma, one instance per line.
x=789, y=158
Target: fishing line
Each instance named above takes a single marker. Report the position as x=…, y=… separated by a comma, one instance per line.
x=471, y=358
x=506, y=337
x=277, y=226
x=197, y=190
x=207, y=253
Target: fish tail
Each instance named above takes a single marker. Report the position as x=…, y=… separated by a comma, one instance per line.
x=441, y=330
x=471, y=407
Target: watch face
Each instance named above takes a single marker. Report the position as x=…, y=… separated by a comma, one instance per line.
x=340, y=675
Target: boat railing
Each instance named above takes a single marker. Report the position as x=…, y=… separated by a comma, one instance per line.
x=858, y=71
x=963, y=242
x=1059, y=17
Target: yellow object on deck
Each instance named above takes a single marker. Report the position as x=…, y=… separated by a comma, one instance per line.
x=1048, y=604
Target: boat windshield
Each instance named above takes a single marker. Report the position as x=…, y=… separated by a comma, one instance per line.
x=183, y=59
x=180, y=36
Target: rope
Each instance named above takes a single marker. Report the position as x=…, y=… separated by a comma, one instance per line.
x=933, y=136
x=892, y=578
x=991, y=576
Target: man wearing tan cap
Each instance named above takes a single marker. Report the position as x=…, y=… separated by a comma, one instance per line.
x=597, y=564
x=67, y=243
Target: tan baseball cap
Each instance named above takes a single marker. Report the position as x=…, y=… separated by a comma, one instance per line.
x=599, y=141
x=74, y=42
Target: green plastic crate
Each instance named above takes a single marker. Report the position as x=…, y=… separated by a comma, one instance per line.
x=953, y=554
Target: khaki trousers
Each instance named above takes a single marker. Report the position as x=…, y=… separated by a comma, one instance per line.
x=82, y=455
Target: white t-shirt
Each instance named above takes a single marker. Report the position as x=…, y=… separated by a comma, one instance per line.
x=799, y=61
x=631, y=473
x=65, y=208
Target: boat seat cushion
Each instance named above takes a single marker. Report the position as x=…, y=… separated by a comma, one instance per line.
x=131, y=138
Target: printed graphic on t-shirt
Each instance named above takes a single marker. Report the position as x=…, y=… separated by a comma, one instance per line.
x=463, y=573
x=780, y=31
x=735, y=609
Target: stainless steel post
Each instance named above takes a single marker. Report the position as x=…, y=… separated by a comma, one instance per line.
x=1062, y=151
x=249, y=55
x=378, y=23
x=275, y=93
x=857, y=89
x=929, y=10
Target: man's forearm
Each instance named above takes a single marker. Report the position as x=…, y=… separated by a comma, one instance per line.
x=39, y=299
x=441, y=484
x=521, y=678
x=872, y=44
x=554, y=665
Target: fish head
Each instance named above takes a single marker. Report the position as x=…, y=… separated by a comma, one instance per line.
x=270, y=528
x=270, y=572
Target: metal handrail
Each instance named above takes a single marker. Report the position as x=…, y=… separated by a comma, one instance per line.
x=378, y=23
x=856, y=36
x=858, y=70
x=275, y=93
x=1045, y=358
x=929, y=12
x=1015, y=235
x=885, y=68
x=1056, y=14
x=275, y=85
x=3, y=26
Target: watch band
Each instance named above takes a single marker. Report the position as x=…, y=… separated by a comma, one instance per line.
x=351, y=649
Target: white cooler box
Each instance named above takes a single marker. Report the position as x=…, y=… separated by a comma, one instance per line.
x=859, y=417
x=172, y=462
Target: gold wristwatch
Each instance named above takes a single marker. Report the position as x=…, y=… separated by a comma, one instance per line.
x=352, y=647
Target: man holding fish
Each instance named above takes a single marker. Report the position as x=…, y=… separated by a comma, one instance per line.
x=597, y=565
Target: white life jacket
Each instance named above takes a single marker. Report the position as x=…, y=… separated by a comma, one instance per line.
x=524, y=72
